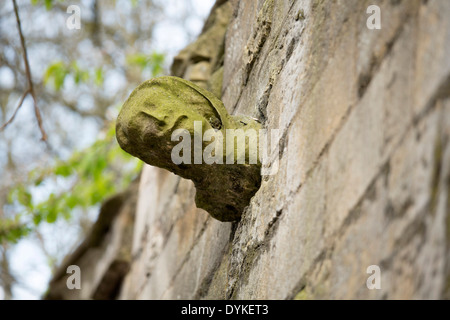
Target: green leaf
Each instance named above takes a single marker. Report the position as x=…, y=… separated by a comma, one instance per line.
x=153, y=62
x=66, y=214
x=10, y=197
x=157, y=61
x=12, y=230
x=137, y=59
x=24, y=197
x=38, y=181
x=56, y=73
x=51, y=206
x=52, y=215
x=63, y=170
x=48, y=4
x=72, y=201
x=37, y=218
x=98, y=77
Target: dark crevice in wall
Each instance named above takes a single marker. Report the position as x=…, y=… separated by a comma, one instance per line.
x=205, y=285
x=259, y=37
x=254, y=58
x=441, y=93
x=303, y=283
x=365, y=78
x=109, y=286
x=239, y=268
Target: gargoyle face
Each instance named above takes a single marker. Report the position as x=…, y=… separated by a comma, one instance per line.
x=162, y=105
x=157, y=108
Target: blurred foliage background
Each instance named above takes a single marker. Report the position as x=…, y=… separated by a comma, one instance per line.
x=50, y=191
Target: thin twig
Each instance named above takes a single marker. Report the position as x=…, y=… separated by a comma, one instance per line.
x=15, y=111
x=30, y=89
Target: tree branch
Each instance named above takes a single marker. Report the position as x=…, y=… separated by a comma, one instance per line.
x=30, y=89
x=15, y=111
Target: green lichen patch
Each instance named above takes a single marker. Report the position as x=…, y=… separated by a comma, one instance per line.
x=159, y=107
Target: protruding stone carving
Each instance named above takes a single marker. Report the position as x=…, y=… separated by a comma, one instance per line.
x=162, y=110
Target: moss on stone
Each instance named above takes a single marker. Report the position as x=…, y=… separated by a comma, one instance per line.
x=162, y=105
x=215, y=83
x=302, y=295
x=436, y=175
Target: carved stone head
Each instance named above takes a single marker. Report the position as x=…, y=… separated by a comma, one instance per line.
x=161, y=107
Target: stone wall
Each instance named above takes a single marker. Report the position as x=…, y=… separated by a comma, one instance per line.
x=364, y=161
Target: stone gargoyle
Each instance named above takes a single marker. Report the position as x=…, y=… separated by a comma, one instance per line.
x=163, y=110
